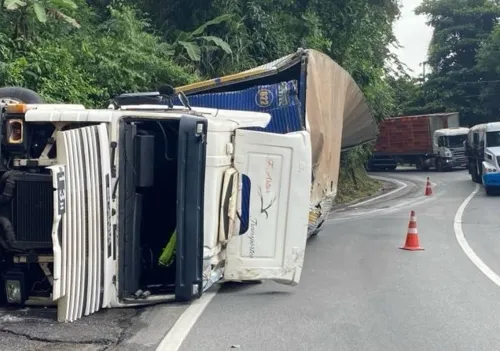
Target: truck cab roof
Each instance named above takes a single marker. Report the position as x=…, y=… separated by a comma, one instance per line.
x=487, y=127
x=219, y=119
x=452, y=131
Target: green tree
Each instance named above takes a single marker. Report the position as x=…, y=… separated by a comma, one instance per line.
x=134, y=45
x=488, y=63
x=43, y=9
x=460, y=26
x=407, y=94
x=91, y=64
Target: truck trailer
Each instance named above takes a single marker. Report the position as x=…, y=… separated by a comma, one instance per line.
x=426, y=141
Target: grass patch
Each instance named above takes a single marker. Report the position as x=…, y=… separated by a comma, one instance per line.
x=354, y=184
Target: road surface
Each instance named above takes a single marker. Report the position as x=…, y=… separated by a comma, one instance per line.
x=360, y=292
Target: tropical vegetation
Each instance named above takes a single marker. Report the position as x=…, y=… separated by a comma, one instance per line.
x=85, y=51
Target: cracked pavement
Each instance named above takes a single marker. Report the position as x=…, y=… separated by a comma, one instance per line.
x=127, y=329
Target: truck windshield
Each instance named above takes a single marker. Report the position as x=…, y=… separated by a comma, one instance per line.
x=493, y=139
x=456, y=140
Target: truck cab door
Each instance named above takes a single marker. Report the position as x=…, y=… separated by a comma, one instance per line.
x=190, y=200
x=275, y=182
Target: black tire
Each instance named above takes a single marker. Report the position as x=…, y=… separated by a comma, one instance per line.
x=479, y=173
x=439, y=165
x=473, y=173
x=20, y=94
x=317, y=230
x=476, y=179
x=488, y=191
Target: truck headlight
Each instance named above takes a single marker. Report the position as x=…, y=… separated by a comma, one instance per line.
x=13, y=291
x=490, y=169
x=15, y=131
x=448, y=153
x=14, y=286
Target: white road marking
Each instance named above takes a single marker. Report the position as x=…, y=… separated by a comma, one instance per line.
x=402, y=186
x=381, y=211
x=176, y=336
x=179, y=332
x=459, y=233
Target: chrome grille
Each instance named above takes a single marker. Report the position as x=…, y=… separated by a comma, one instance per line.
x=86, y=242
x=459, y=155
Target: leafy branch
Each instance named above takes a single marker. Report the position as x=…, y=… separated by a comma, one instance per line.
x=45, y=9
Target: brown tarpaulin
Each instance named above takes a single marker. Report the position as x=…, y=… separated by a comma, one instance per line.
x=337, y=115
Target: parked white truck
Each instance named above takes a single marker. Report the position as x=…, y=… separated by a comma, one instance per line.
x=448, y=145
x=90, y=197
x=483, y=153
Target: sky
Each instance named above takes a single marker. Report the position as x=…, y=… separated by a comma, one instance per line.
x=414, y=35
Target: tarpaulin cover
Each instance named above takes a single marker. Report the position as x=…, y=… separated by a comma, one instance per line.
x=336, y=111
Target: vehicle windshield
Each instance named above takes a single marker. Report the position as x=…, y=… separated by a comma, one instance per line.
x=456, y=140
x=492, y=139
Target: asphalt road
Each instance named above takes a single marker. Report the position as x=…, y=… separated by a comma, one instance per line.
x=360, y=292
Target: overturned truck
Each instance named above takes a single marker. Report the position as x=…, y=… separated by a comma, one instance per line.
x=306, y=90
x=91, y=197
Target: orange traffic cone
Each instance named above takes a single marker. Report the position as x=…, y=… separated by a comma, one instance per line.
x=428, y=188
x=412, y=242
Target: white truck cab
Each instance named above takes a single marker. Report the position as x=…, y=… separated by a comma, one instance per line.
x=449, y=148
x=92, y=196
x=483, y=152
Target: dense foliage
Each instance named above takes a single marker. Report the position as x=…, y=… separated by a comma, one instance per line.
x=86, y=51
x=464, y=60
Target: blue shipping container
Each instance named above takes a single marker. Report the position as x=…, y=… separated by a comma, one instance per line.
x=280, y=100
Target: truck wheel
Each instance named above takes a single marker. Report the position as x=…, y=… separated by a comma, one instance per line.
x=317, y=230
x=488, y=191
x=439, y=165
x=479, y=173
x=418, y=165
x=476, y=178
x=472, y=171
x=18, y=94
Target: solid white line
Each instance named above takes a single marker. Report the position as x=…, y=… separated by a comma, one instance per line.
x=390, y=180
x=459, y=233
x=179, y=332
x=381, y=211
